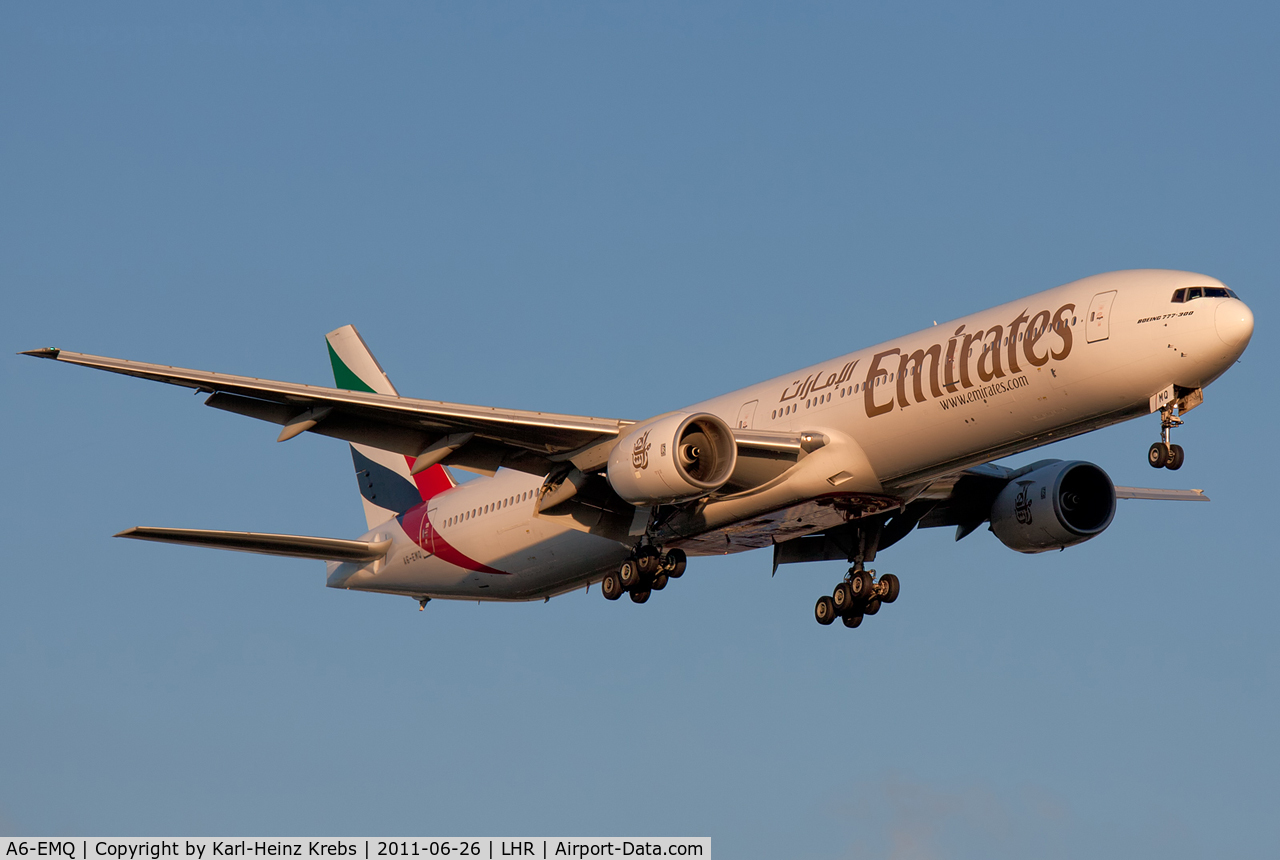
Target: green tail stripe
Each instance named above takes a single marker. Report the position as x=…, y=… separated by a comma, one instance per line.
x=343, y=376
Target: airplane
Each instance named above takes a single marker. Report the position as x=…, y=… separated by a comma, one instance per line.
x=837, y=461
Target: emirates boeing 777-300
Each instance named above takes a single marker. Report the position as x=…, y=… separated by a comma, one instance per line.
x=832, y=462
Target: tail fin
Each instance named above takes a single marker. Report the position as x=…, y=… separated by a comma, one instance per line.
x=386, y=487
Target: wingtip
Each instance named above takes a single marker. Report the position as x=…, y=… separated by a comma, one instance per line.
x=47, y=352
x=126, y=532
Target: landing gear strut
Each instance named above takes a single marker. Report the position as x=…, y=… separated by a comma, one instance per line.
x=647, y=571
x=1164, y=454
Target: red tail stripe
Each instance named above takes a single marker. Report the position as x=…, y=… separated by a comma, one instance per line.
x=431, y=482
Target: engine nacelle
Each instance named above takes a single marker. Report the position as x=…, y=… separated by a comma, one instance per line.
x=1056, y=506
x=673, y=458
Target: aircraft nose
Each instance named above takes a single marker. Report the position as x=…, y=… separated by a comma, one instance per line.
x=1234, y=322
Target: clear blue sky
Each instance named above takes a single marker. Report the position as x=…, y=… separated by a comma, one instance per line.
x=619, y=209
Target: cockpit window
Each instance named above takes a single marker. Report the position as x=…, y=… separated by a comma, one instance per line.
x=1187, y=294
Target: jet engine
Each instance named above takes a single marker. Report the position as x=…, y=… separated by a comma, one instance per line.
x=1058, y=505
x=673, y=458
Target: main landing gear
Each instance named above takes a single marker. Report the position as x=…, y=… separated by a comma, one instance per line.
x=1163, y=454
x=647, y=571
x=856, y=597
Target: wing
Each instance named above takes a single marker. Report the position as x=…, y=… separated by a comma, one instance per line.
x=479, y=438
x=1161, y=495
x=964, y=500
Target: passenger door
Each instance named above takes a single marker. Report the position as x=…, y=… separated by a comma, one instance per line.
x=1097, y=325
x=428, y=536
x=747, y=415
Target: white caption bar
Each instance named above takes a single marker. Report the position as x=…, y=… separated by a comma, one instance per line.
x=382, y=848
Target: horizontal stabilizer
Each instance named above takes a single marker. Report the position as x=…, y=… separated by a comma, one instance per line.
x=295, y=546
x=1159, y=495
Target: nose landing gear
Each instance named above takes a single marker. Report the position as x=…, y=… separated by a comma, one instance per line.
x=649, y=570
x=1164, y=454
x=856, y=597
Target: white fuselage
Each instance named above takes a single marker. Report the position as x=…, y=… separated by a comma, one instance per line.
x=898, y=415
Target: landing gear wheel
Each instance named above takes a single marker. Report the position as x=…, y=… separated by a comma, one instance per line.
x=872, y=607
x=674, y=562
x=648, y=560
x=825, y=611
x=851, y=620
x=660, y=582
x=629, y=574
x=639, y=596
x=1176, y=458
x=611, y=585
x=890, y=582
x=1158, y=455
x=861, y=585
x=842, y=598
